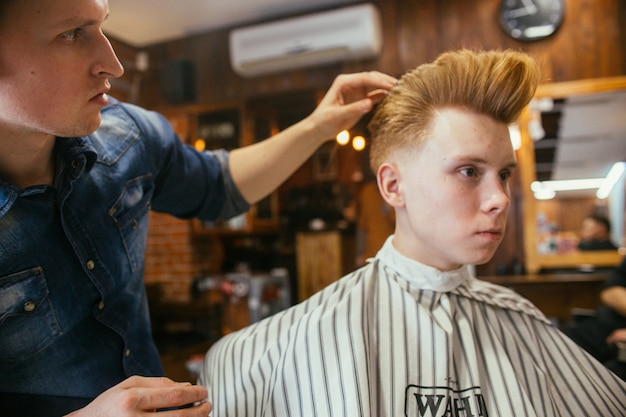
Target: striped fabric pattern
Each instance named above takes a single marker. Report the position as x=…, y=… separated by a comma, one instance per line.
x=386, y=340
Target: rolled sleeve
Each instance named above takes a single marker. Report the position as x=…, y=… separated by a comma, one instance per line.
x=234, y=202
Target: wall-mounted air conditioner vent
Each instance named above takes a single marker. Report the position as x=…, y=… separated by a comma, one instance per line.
x=343, y=34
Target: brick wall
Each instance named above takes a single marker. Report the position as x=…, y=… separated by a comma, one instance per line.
x=174, y=257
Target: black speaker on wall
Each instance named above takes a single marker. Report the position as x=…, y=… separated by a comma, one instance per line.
x=178, y=81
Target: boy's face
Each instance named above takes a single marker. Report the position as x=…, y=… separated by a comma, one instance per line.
x=54, y=66
x=451, y=195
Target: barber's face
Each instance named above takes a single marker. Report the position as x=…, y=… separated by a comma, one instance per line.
x=55, y=63
x=452, y=194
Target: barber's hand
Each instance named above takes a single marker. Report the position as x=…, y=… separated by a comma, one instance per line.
x=348, y=99
x=137, y=396
x=618, y=335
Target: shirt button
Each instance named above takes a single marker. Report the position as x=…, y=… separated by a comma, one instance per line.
x=127, y=353
x=74, y=163
x=90, y=264
x=101, y=305
x=29, y=306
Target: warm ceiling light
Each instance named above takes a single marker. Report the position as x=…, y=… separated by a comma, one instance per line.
x=614, y=175
x=343, y=137
x=545, y=190
x=568, y=185
x=358, y=143
x=544, y=194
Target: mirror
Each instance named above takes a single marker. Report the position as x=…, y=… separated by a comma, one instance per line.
x=571, y=131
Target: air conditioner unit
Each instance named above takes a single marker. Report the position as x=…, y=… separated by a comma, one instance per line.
x=316, y=39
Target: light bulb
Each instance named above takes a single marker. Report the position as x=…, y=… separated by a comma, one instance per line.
x=358, y=143
x=343, y=137
x=199, y=144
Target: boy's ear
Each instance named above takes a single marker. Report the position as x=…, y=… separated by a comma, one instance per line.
x=388, y=177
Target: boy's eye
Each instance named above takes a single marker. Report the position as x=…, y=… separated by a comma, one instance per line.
x=469, y=172
x=505, y=175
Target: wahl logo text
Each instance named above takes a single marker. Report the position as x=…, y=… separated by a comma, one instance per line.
x=444, y=402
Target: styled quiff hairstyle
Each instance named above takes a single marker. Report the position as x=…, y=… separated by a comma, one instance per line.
x=498, y=84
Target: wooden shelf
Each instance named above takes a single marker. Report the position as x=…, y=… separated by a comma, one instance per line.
x=577, y=259
x=556, y=295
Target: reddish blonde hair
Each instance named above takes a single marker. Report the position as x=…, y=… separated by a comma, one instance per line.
x=498, y=84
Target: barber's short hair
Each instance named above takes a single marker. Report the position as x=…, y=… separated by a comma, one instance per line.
x=494, y=83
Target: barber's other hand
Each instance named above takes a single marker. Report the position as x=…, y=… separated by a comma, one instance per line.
x=348, y=99
x=137, y=396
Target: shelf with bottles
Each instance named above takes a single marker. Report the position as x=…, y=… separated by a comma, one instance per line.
x=227, y=126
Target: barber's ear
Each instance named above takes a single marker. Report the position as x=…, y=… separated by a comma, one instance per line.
x=388, y=177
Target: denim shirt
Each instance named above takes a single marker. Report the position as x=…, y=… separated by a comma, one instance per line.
x=74, y=318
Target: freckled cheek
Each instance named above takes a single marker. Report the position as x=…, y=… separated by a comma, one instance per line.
x=464, y=201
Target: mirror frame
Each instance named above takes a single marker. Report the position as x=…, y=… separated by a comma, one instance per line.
x=533, y=260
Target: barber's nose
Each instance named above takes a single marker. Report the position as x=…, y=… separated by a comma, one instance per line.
x=108, y=64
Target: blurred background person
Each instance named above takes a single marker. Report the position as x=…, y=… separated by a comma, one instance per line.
x=595, y=234
x=600, y=333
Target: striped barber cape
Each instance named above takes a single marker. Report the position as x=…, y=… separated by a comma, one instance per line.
x=399, y=338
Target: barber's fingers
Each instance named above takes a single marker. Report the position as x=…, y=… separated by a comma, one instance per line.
x=367, y=81
x=148, y=382
x=141, y=393
x=177, y=395
x=348, y=88
x=202, y=409
x=377, y=95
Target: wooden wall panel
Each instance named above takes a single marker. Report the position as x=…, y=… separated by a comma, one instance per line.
x=589, y=44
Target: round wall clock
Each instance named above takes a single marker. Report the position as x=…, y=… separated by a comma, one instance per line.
x=530, y=20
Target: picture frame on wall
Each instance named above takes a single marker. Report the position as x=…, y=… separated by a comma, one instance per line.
x=325, y=164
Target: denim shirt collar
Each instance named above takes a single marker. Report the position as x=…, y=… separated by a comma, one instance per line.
x=76, y=154
x=8, y=195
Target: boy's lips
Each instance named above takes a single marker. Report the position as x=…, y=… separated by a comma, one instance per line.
x=491, y=233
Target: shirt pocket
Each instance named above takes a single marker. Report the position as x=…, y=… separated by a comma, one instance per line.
x=130, y=214
x=28, y=323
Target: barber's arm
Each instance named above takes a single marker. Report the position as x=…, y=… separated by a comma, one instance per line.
x=259, y=169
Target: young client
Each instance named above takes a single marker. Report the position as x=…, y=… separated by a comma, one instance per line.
x=413, y=333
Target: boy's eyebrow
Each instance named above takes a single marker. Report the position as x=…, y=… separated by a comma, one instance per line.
x=480, y=160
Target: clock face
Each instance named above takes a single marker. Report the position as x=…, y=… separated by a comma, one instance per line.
x=528, y=20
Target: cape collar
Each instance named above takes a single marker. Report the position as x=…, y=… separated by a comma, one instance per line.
x=423, y=276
